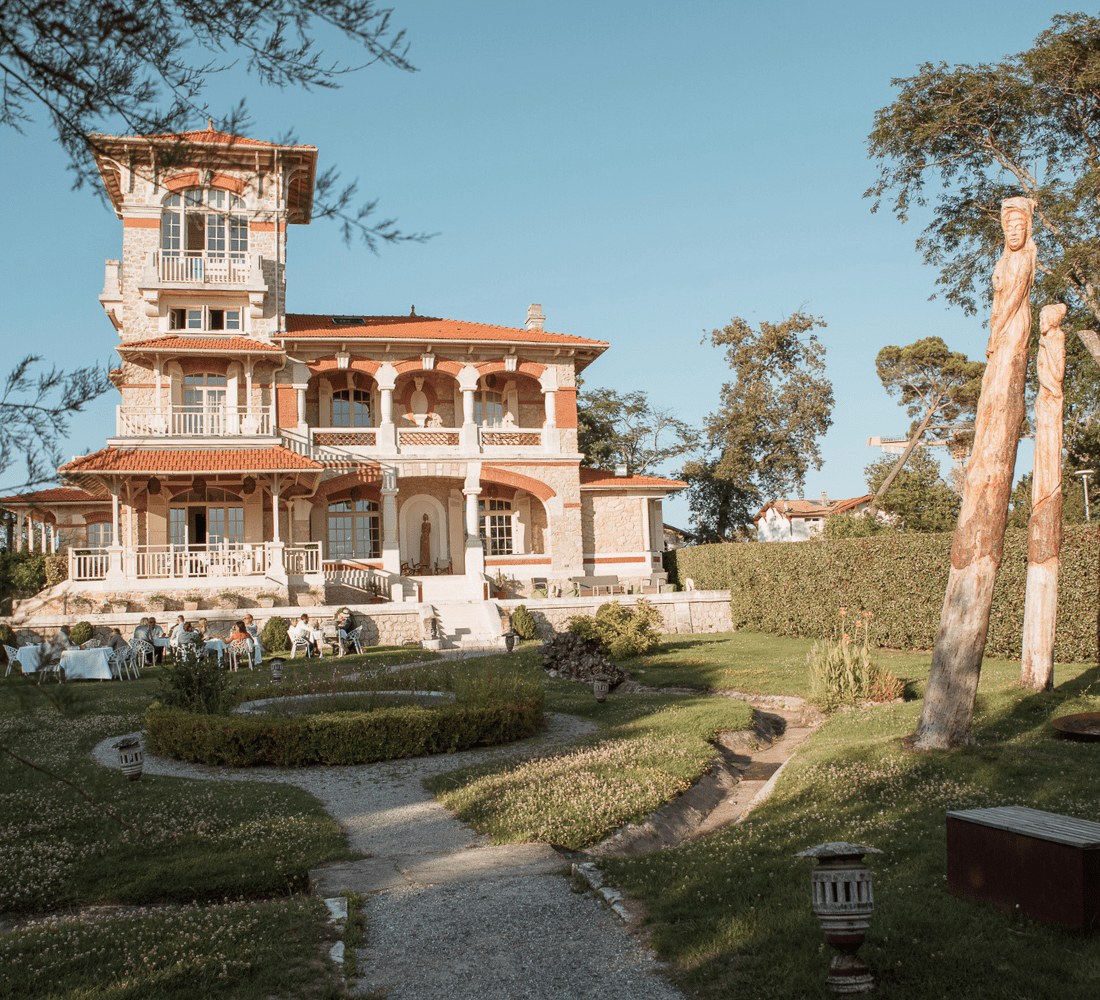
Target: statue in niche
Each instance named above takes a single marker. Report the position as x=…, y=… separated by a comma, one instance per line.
x=426, y=544
x=1044, y=529
x=978, y=545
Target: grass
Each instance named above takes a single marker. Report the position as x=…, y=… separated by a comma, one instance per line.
x=731, y=913
x=648, y=749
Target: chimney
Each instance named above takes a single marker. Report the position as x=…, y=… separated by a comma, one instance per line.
x=824, y=499
x=621, y=470
x=535, y=318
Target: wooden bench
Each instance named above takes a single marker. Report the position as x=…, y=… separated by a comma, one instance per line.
x=593, y=585
x=1022, y=860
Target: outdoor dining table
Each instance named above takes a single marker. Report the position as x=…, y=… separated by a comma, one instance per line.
x=87, y=664
x=216, y=646
x=31, y=656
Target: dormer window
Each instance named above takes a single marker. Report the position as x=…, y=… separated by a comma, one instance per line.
x=197, y=222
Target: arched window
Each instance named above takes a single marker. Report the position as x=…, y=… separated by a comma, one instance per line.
x=197, y=222
x=353, y=531
x=351, y=408
x=488, y=408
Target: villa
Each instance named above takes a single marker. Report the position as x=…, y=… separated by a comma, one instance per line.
x=375, y=457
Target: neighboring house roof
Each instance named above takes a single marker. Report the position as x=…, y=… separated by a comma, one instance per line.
x=151, y=460
x=204, y=345
x=55, y=495
x=602, y=479
x=424, y=329
x=791, y=509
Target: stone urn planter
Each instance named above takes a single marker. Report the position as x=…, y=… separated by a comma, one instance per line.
x=119, y=607
x=131, y=757
x=509, y=641
x=306, y=600
x=158, y=605
x=266, y=602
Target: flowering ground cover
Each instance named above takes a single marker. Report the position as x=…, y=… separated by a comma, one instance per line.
x=731, y=912
x=649, y=748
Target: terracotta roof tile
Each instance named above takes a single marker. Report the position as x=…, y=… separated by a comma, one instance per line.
x=59, y=494
x=425, y=329
x=274, y=459
x=208, y=136
x=601, y=477
x=812, y=508
x=174, y=341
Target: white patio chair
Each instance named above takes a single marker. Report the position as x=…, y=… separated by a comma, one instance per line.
x=142, y=649
x=92, y=644
x=352, y=639
x=237, y=649
x=13, y=656
x=120, y=660
x=303, y=642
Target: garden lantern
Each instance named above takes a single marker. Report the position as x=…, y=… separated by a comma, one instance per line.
x=600, y=687
x=843, y=901
x=131, y=756
x=277, y=670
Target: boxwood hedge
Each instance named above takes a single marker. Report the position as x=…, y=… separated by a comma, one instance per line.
x=339, y=737
x=799, y=589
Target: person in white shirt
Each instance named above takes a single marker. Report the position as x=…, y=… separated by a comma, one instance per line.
x=303, y=630
x=253, y=630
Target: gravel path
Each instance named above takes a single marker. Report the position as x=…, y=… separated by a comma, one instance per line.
x=448, y=915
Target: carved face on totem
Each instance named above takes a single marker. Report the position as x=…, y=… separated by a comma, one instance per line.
x=1016, y=226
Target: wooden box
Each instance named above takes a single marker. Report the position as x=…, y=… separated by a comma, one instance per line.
x=1026, y=861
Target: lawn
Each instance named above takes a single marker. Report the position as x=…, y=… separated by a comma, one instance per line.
x=731, y=913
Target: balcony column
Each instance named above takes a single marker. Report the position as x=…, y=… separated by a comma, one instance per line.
x=19, y=520
x=549, y=383
x=301, y=390
x=391, y=545
x=276, y=566
x=386, y=377
x=158, y=402
x=45, y=528
x=115, y=576
x=251, y=423
x=467, y=382
x=475, y=551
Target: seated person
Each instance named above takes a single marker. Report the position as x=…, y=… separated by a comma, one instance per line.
x=345, y=623
x=143, y=631
x=201, y=629
x=58, y=644
x=156, y=632
x=189, y=638
x=239, y=633
x=174, y=634
x=303, y=631
x=253, y=630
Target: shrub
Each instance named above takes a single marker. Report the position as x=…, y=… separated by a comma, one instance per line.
x=843, y=672
x=523, y=623
x=7, y=638
x=80, y=633
x=25, y=572
x=196, y=684
x=273, y=637
x=56, y=567
x=620, y=632
x=798, y=589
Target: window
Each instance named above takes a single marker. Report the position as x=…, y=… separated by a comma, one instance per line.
x=351, y=408
x=100, y=534
x=494, y=525
x=197, y=222
x=204, y=318
x=488, y=408
x=353, y=531
x=225, y=525
x=203, y=404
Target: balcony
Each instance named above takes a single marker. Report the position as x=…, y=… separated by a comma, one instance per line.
x=193, y=267
x=192, y=422
x=218, y=562
x=340, y=444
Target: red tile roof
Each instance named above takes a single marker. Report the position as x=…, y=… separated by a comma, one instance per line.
x=608, y=480
x=274, y=459
x=812, y=508
x=175, y=341
x=208, y=136
x=425, y=329
x=59, y=494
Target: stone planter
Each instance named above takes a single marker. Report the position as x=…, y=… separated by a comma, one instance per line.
x=158, y=607
x=266, y=602
x=190, y=605
x=600, y=687
x=500, y=595
x=131, y=757
x=432, y=643
x=509, y=641
x=119, y=607
x=229, y=603
x=306, y=600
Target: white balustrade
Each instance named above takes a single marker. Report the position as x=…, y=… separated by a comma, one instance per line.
x=302, y=559
x=88, y=564
x=193, y=267
x=192, y=421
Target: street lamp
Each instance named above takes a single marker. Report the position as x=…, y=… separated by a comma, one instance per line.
x=1084, y=474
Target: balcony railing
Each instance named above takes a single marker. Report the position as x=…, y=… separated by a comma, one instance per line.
x=201, y=268
x=192, y=421
x=512, y=437
x=194, y=562
x=416, y=437
x=351, y=437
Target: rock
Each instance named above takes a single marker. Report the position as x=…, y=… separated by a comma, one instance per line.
x=576, y=659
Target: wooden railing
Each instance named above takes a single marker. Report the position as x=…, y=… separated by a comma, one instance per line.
x=88, y=564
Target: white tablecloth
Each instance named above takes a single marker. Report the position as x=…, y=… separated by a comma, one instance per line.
x=216, y=646
x=87, y=664
x=31, y=656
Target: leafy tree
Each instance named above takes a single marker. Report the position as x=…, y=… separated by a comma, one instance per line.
x=624, y=428
x=931, y=382
x=35, y=411
x=146, y=68
x=855, y=525
x=919, y=499
x=765, y=435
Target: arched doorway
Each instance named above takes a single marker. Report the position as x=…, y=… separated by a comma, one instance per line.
x=411, y=527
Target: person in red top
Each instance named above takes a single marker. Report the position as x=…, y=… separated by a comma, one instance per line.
x=238, y=633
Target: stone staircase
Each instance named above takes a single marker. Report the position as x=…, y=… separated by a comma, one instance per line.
x=469, y=624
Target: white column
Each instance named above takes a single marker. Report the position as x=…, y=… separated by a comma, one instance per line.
x=391, y=544
x=301, y=390
x=386, y=378
x=550, y=401
x=116, y=532
x=647, y=534
x=20, y=520
x=275, y=513
x=158, y=403
x=467, y=381
x=116, y=576
x=44, y=530
x=251, y=425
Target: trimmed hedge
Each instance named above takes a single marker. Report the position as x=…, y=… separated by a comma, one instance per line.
x=799, y=589
x=338, y=738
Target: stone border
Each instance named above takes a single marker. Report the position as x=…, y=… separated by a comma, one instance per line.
x=257, y=707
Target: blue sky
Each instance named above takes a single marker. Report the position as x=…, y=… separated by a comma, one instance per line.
x=644, y=171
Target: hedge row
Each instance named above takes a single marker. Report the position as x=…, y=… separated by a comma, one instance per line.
x=338, y=738
x=799, y=589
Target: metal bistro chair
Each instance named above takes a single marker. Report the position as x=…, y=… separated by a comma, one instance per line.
x=140, y=650
x=122, y=659
x=352, y=639
x=237, y=649
x=92, y=644
x=303, y=642
x=13, y=657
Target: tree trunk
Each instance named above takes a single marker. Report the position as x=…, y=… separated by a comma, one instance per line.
x=978, y=545
x=872, y=510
